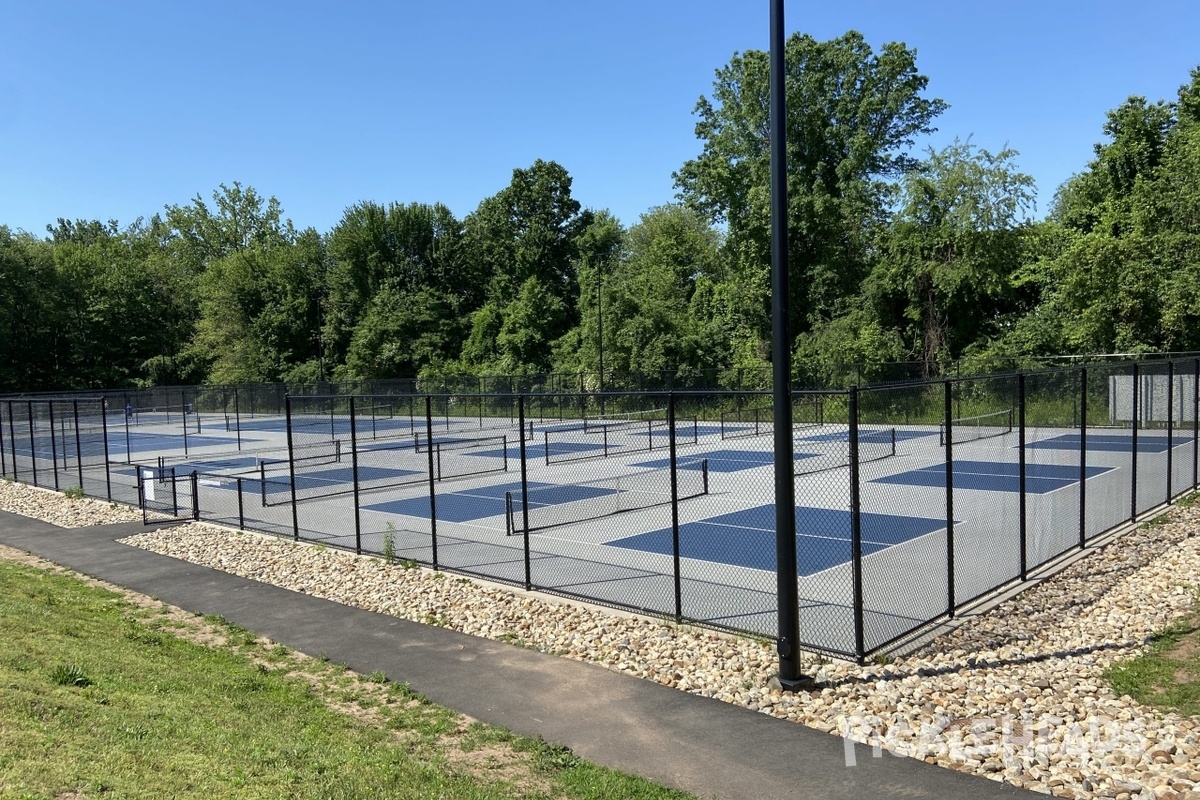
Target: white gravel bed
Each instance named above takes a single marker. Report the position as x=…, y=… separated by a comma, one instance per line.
x=1017, y=695
x=60, y=510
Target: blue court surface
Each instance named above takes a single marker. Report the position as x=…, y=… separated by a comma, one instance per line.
x=747, y=538
x=1111, y=442
x=995, y=476
x=488, y=501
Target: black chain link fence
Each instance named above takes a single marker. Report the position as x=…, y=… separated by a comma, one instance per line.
x=913, y=499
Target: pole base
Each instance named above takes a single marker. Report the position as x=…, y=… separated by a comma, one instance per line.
x=801, y=683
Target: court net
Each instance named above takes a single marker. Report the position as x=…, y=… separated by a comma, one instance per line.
x=832, y=453
x=743, y=423
x=979, y=426
x=567, y=504
x=606, y=436
x=372, y=467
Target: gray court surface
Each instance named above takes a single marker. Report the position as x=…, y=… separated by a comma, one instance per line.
x=601, y=527
x=709, y=748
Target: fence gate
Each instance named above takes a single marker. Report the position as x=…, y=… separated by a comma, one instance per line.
x=166, y=496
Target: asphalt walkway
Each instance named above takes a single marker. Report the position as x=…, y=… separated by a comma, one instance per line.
x=703, y=746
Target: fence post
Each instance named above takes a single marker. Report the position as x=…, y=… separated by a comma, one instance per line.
x=32, y=445
x=1195, y=425
x=1024, y=523
x=1137, y=410
x=354, y=476
x=237, y=416
x=53, y=443
x=3, y=455
x=860, y=641
x=182, y=416
x=432, y=480
x=287, y=410
x=78, y=444
x=104, y=432
x=12, y=439
x=525, y=494
x=1083, y=426
x=128, y=417
x=674, y=505
x=1170, y=424
x=949, y=412
x=195, y=496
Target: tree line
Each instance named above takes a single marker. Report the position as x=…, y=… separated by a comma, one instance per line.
x=897, y=252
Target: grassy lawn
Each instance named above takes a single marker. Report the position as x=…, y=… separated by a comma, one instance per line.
x=1167, y=675
x=100, y=697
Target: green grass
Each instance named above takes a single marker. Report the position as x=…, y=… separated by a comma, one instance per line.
x=101, y=698
x=1167, y=675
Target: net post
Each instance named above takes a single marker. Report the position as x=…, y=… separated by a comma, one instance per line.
x=674, y=461
x=949, y=434
x=508, y=513
x=860, y=646
x=262, y=480
x=53, y=443
x=174, y=493
x=287, y=409
x=1021, y=455
x=1134, y=443
x=504, y=449
x=545, y=448
x=1170, y=422
x=432, y=479
x=354, y=475
x=78, y=443
x=525, y=495
x=104, y=432
x=241, y=505
x=1083, y=426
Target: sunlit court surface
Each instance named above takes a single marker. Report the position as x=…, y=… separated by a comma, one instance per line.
x=662, y=503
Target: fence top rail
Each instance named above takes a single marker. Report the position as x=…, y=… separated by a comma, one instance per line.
x=51, y=397
x=657, y=393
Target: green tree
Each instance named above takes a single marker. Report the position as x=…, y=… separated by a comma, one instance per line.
x=406, y=248
x=524, y=241
x=852, y=114
x=260, y=311
x=27, y=318
x=945, y=265
x=649, y=324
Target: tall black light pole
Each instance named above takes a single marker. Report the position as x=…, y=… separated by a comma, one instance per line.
x=787, y=582
x=600, y=332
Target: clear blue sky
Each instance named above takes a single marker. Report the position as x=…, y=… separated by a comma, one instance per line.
x=115, y=109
